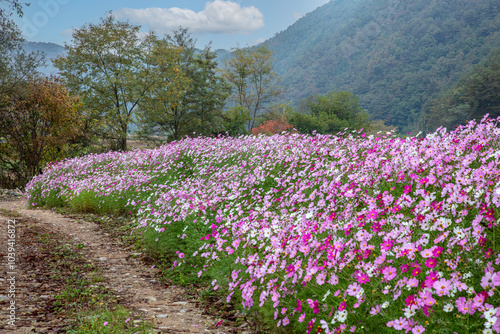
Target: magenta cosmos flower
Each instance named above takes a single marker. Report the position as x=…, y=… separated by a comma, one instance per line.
x=363, y=278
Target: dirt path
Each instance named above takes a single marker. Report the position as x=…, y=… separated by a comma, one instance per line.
x=134, y=283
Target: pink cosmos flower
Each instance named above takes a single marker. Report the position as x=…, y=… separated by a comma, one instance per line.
x=431, y=262
x=431, y=278
x=426, y=309
x=310, y=325
x=479, y=299
x=389, y=273
x=299, y=306
x=404, y=268
x=437, y=251
x=416, y=271
x=464, y=306
x=314, y=305
x=442, y=286
x=290, y=270
x=353, y=289
x=460, y=286
x=412, y=282
x=487, y=280
x=400, y=323
x=302, y=317
x=320, y=279
x=387, y=245
x=418, y=329
x=426, y=253
x=372, y=214
x=342, y=306
x=425, y=298
x=375, y=310
x=334, y=280
x=410, y=300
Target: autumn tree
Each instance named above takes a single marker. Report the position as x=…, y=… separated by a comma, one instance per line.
x=273, y=126
x=37, y=127
x=113, y=69
x=253, y=82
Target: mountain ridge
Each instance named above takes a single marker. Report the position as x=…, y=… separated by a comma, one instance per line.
x=394, y=55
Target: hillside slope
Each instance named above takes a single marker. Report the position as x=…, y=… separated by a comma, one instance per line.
x=393, y=54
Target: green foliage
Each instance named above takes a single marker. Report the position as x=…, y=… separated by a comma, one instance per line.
x=476, y=93
x=234, y=121
x=330, y=114
x=108, y=321
x=190, y=96
x=252, y=79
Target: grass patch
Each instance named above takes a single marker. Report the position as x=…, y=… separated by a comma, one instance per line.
x=9, y=213
x=118, y=320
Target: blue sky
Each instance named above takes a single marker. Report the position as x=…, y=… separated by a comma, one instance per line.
x=227, y=23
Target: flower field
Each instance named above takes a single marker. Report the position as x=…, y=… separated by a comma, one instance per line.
x=345, y=233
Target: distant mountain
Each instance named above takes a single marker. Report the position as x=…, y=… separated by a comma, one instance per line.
x=51, y=51
x=393, y=54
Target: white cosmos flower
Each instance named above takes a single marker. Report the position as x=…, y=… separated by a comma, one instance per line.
x=490, y=313
x=341, y=315
x=326, y=295
x=490, y=322
x=448, y=307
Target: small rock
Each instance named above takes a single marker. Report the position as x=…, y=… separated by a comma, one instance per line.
x=179, y=303
x=3, y=297
x=162, y=316
x=102, y=259
x=151, y=299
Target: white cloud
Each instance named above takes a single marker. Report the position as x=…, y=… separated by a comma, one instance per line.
x=67, y=32
x=218, y=16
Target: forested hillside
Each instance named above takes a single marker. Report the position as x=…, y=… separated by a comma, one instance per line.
x=394, y=55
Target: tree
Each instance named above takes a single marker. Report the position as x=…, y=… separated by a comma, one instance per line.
x=330, y=113
x=272, y=126
x=482, y=91
x=253, y=82
x=475, y=94
x=15, y=64
x=195, y=103
x=37, y=127
x=111, y=68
